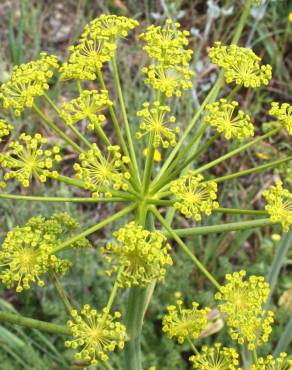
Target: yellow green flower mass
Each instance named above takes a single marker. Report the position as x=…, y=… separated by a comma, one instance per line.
x=100, y=173
x=271, y=363
x=5, y=129
x=193, y=196
x=88, y=106
x=26, y=82
x=26, y=253
x=241, y=65
x=183, y=323
x=241, y=301
x=283, y=113
x=142, y=254
x=97, y=334
x=154, y=121
x=279, y=204
x=223, y=116
x=216, y=358
x=27, y=157
x=169, y=73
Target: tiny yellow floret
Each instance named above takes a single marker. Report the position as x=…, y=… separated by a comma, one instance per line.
x=97, y=334
x=193, y=196
x=5, y=129
x=271, y=363
x=142, y=254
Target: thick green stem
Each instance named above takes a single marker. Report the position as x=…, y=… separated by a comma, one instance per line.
x=57, y=130
x=61, y=293
x=33, y=324
x=233, y=226
x=148, y=165
x=235, y=211
x=66, y=244
x=184, y=247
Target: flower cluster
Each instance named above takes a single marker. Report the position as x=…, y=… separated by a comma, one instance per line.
x=279, y=205
x=193, y=196
x=27, y=251
x=241, y=65
x=97, y=334
x=270, y=363
x=140, y=253
x=99, y=173
x=217, y=357
x=169, y=80
x=234, y=126
x=28, y=157
x=96, y=47
x=166, y=46
x=26, y=82
x=154, y=121
x=283, y=113
x=5, y=129
x=185, y=323
x=88, y=106
x=242, y=302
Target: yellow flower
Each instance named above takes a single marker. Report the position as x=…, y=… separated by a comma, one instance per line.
x=28, y=81
x=242, y=302
x=183, y=323
x=142, y=255
x=279, y=205
x=26, y=252
x=97, y=334
x=156, y=156
x=5, y=129
x=101, y=173
x=216, y=358
x=241, y=65
x=194, y=196
x=290, y=17
x=270, y=363
x=28, y=157
x=166, y=45
x=109, y=27
x=234, y=126
x=87, y=106
x=171, y=80
x=283, y=113
x=154, y=121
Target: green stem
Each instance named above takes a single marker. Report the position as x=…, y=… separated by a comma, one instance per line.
x=240, y=211
x=79, y=87
x=184, y=247
x=148, y=165
x=254, y=356
x=33, y=324
x=251, y=170
x=102, y=136
x=242, y=22
x=236, y=151
x=71, y=127
x=124, y=114
x=233, y=226
x=114, y=291
x=93, y=229
x=56, y=129
x=61, y=293
x=193, y=347
x=61, y=199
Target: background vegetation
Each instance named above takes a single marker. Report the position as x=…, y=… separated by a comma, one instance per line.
x=28, y=27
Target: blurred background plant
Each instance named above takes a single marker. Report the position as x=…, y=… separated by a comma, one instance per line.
x=28, y=27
